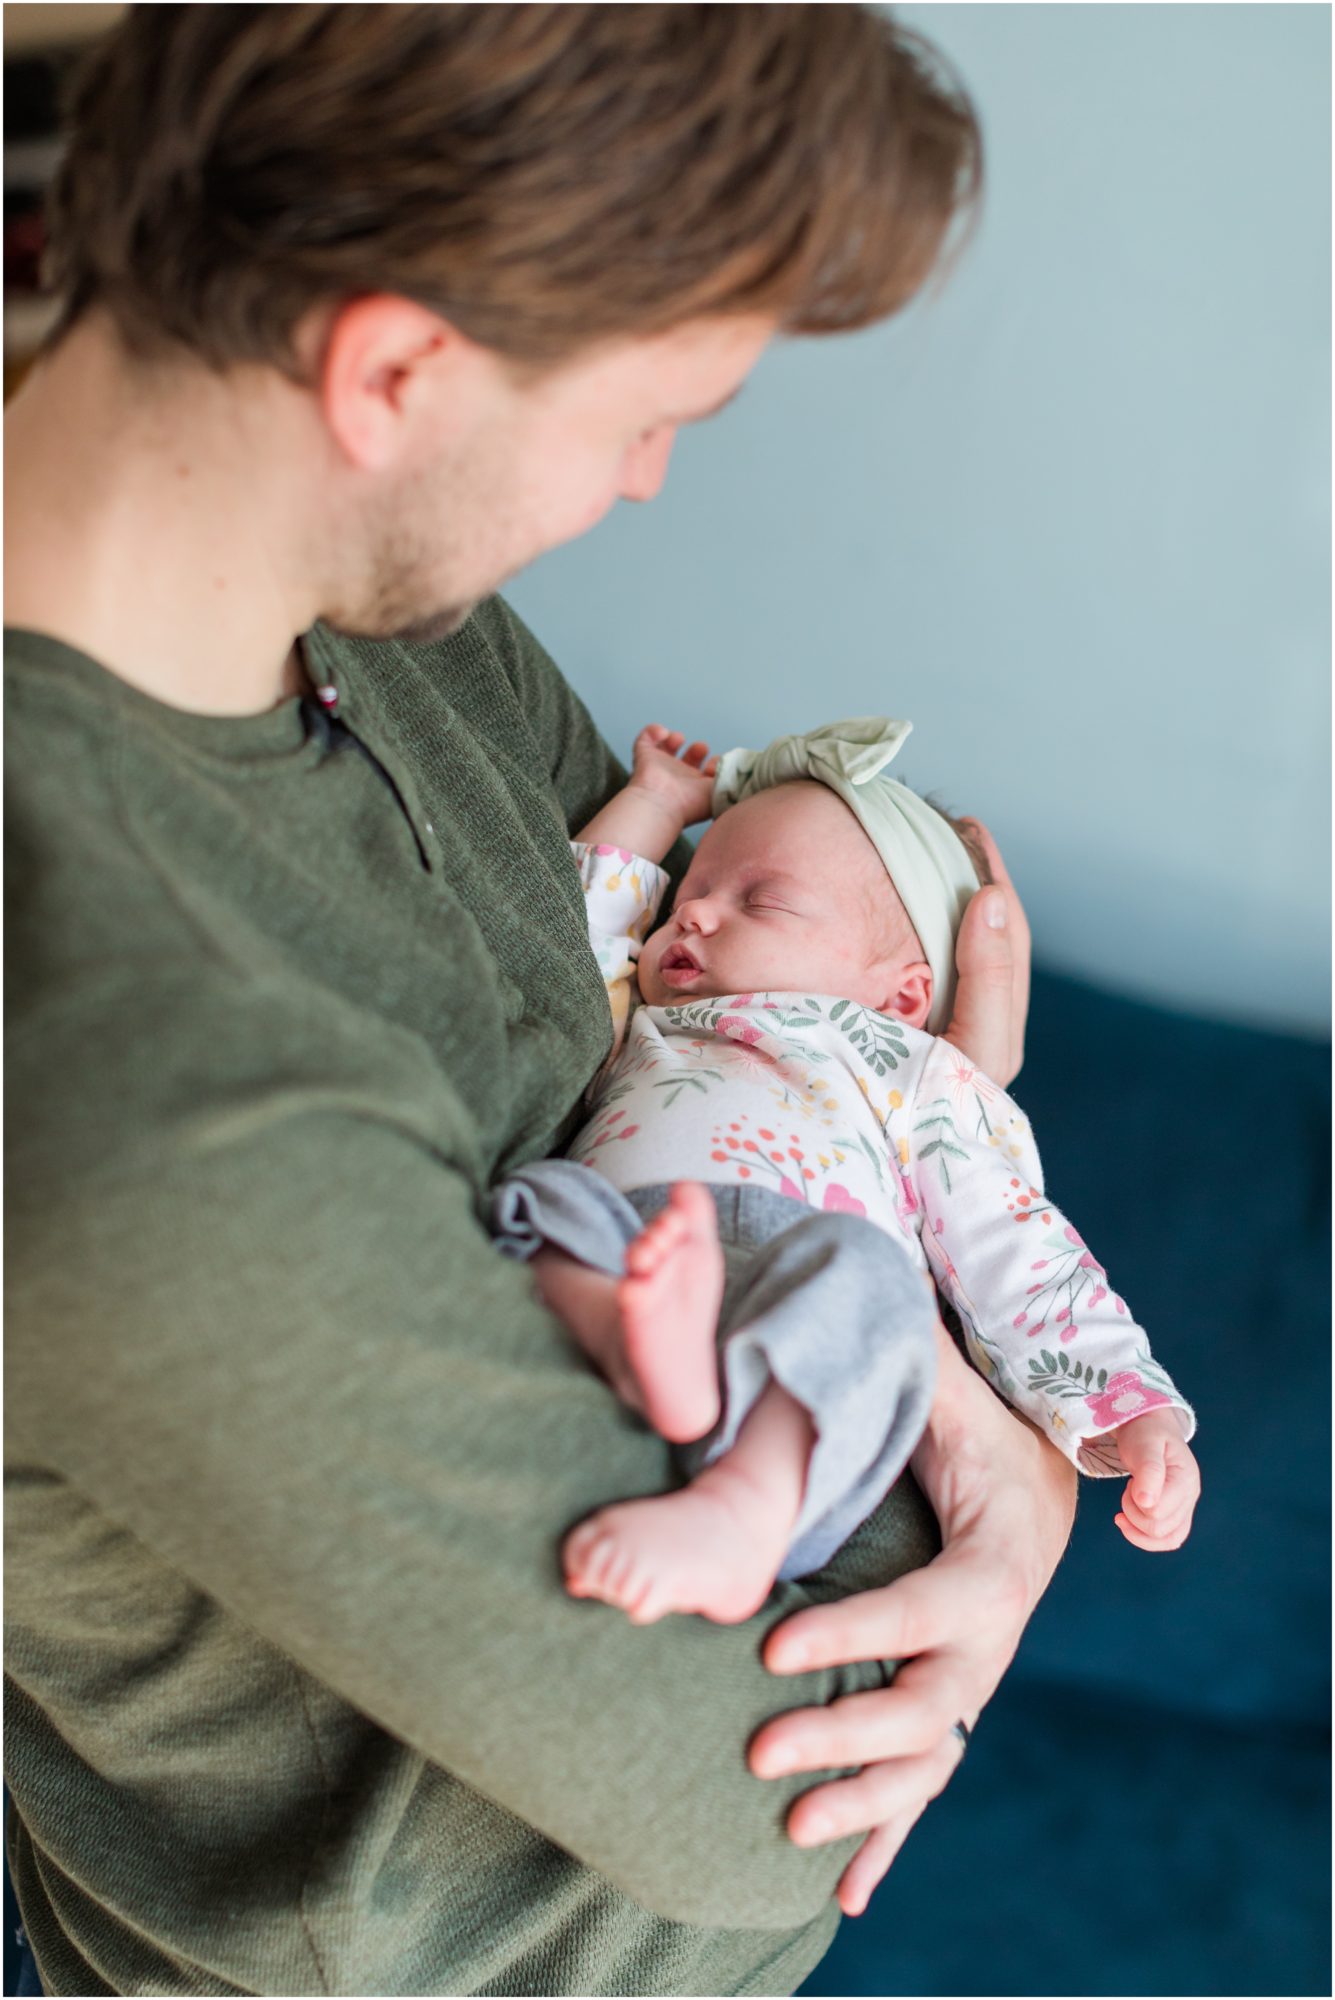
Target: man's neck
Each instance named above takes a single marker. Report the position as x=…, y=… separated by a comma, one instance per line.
x=140, y=529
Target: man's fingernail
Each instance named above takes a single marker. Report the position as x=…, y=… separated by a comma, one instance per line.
x=995, y=913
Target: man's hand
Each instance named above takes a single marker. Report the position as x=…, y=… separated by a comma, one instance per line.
x=1005, y=1500
x=992, y=960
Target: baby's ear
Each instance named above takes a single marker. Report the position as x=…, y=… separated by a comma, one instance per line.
x=911, y=1001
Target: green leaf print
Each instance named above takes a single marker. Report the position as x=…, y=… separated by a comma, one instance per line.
x=875, y=1158
x=1060, y=1376
x=879, y=1040
x=941, y=1121
x=674, y=1085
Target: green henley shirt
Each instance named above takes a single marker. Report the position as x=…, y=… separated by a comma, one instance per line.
x=296, y=1702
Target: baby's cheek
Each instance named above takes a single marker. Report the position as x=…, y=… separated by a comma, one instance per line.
x=647, y=967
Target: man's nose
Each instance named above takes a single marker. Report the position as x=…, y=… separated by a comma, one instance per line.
x=646, y=463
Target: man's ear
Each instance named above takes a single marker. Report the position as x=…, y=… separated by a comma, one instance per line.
x=910, y=999
x=380, y=353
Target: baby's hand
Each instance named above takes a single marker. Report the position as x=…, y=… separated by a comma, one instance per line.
x=684, y=783
x=1165, y=1482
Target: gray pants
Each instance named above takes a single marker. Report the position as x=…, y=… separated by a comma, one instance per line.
x=828, y=1306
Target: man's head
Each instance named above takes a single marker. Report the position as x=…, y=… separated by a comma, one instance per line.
x=501, y=251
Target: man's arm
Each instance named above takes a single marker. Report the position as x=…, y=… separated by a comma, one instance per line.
x=584, y=770
x=273, y=1341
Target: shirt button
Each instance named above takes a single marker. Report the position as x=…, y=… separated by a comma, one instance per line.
x=429, y=827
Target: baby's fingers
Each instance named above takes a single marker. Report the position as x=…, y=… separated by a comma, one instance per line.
x=1156, y=1544
x=1147, y=1461
x=695, y=754
x=1166, y=1525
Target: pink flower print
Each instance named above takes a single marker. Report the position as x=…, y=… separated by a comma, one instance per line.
x=838, y=1201
x=1074, y=1236
x=906, y=1203
x=1126, y=1396
x=743, y=999
x=790, y=1188
x=967, y=1081
x=623, y=852
x=739, y=1030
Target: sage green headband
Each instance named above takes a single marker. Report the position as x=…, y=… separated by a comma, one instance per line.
x=924, y=857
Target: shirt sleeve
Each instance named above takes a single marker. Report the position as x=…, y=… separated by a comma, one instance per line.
x=584, y=770
x=1040, y=1315
x=268, y=1335
x=622, y=894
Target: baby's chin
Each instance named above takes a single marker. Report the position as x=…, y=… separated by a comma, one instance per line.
x=657, y=993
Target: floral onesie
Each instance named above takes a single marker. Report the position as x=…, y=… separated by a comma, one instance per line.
x=850, y=1111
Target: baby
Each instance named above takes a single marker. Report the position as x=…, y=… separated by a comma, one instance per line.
x=780, y=1153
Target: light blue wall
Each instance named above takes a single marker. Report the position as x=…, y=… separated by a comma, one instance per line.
x=1072, y=516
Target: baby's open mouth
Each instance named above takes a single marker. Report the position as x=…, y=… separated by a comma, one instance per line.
x=677, y=966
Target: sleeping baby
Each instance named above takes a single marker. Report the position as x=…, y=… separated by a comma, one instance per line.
x=782, y=1154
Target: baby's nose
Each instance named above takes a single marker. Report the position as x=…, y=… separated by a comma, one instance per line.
x=696, y=915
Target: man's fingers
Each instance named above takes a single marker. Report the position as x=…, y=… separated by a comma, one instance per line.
x=981, y=1024
x=871, y=1862
x=993, y=999
x=880, y=1793
x=902, y=1721
x=1017, y=920
x=882, y=1624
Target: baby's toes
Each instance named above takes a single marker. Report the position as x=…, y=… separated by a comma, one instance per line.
x=585, y=1555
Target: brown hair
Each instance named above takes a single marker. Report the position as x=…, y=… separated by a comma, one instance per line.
x=967, y=834
x=542, y=176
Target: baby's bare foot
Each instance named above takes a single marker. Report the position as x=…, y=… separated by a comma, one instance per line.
x=707, y=1548
x=669, y=1302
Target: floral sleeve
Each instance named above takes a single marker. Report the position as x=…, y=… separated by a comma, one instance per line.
x=622, y=892
x=1041, y=1320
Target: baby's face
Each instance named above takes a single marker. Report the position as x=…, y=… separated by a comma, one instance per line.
x=787, y=894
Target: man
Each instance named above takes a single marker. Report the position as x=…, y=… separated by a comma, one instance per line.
x=365, y=307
